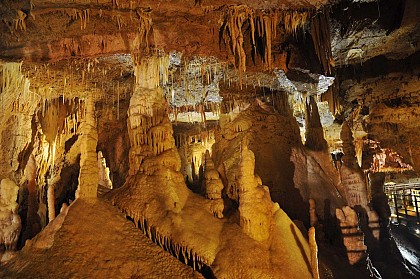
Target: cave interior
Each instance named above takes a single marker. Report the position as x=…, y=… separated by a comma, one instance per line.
x=210, y=139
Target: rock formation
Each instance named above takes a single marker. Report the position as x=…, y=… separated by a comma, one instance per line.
x=210, y=125
x=255, y=206
x=213, y=186
x=351, y=174
x=10, y=224
x=104, y=179
x=314, y=253
x=89, y=172
x=313, y=219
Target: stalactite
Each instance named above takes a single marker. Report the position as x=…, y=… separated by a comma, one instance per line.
x=262, y=25
x=320, y=32
x=333, y=98
x=20, y=21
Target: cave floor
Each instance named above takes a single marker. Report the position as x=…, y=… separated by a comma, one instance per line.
x=95, y=240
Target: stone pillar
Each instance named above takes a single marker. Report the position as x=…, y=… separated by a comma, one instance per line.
x=51, y=203
x=352, y=177
x=213, y=186
x=313, y=219
x=10, y=223
x=314, y=253
x=88, y=177
x=149, y=128
x=255, y=205
x=314, y=132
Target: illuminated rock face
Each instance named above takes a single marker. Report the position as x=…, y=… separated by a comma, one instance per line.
x=352, y=176
x=48, y=143
x=104, y=179
x=255, y=205
x=213, y=186
x=16, y=103
x=10, y=224
x=156, y=197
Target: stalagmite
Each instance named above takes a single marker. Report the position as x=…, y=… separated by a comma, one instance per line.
x=255, y=205
x=104, y=179
x=213, y=186
x=51, y=203
x=374, y=224
x=88, y=177
x=312, y=213
x=10, y=223
x=314, y=253
x=351, y=175
x=314, y=131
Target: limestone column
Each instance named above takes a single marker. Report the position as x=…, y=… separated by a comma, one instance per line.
x=352, y=176
x=255, y=205
x=314, y=132
x=89, y=172
x=314, y=253
x=51, y=203
x=155, y=180
x=213, y=186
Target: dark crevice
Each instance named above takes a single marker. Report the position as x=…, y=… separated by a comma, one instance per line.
x=380, y=66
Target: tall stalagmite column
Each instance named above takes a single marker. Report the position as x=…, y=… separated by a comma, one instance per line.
x=314, y=132
x=255, y=205
x=32, y=223
x=213, y=186
x=354, y=183
x=150, y=130
x=89, y=172
x=351, y=175
x=155, y=164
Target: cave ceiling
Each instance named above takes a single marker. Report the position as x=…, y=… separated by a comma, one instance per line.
x=206, y=116
x=89, y=46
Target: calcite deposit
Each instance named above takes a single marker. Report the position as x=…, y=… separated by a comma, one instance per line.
x=215, y=139
x=10, y=223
